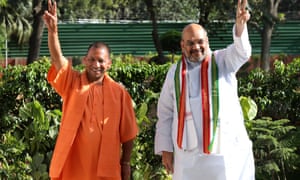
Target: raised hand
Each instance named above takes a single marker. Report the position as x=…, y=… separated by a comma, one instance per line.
x=50, y=17
x=242, y=16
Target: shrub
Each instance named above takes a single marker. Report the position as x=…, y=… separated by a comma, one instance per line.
x=274, y=143
x=274, y=148
x=170, y=41
x=30, y=115
x=21, y=84
x=276, y=92
x=27, y=146
x=139, y=77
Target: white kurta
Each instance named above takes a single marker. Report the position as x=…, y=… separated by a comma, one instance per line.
x=234, y=159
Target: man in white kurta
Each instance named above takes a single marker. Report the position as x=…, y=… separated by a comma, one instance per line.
x=231, y=157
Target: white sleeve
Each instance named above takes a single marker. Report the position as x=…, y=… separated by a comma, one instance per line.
x=242, y=44
x=165, y=112
x=236, y=54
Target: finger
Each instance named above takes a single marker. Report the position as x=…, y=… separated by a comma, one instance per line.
x=171, y=168
x=168, y=168
x=239, y=9
x=166, y=164
x=244, y=5
x=48, y=15
x=247, y=16
x=54, y=7
x=239, y=4
x=49, y=5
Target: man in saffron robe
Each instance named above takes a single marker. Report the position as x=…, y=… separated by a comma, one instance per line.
x=200, y=132
x=98, y=124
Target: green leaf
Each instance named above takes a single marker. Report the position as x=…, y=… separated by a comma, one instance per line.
x=249, y=108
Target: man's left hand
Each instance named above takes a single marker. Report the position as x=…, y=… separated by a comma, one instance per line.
x=242, y=16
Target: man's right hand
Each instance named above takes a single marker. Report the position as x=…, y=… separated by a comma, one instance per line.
x=167, y=161
x=50, y=17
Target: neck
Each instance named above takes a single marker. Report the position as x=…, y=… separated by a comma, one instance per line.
x=98, y=81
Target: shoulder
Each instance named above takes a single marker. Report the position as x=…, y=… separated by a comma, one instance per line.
x=114, y=86
x=172, y=70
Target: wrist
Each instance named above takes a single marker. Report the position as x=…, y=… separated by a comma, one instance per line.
x=125, y=163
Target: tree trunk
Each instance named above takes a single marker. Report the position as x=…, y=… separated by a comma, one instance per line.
x=37, y=32
x=155, y=36
x=265, y=48
x=270, y=17
x=203, y=12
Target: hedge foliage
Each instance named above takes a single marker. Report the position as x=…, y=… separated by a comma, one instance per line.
x=30, y=112
x=277, y=92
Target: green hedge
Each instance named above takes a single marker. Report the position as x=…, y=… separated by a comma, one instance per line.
x=30, y=114
x=277, y=92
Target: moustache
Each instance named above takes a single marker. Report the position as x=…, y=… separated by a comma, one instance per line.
x=196, y=51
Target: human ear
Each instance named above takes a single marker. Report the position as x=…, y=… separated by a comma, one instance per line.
x=182, y=45
x=83, y=60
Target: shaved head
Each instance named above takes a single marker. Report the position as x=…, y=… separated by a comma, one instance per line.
x=190, y=28
x=194, y=42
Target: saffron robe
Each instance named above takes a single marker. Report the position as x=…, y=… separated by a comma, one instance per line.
x=117, y=123
x=233, y=160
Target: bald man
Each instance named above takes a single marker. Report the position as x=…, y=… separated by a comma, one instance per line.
x=200, y=132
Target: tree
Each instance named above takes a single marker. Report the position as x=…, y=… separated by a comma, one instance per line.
x=207, y=11
x=152, y=11
x=2, y=40
x=170, y=41
x=92, y=9
x=177, y=10
x=2, y=3
x=37, y=26
x=2, y=31
x=291, y=9
x=265, y=16
x=215, y=10
x=14, y=16
x=270, y=18
x=70, y=10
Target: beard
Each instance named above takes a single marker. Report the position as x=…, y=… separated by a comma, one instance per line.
x=196, y=58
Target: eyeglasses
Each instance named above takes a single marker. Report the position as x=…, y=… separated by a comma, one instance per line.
x=192, y=43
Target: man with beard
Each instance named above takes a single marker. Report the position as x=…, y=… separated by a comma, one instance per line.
x=200, y=132
x=98, y=123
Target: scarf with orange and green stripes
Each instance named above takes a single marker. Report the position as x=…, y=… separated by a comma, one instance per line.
x=210, y=100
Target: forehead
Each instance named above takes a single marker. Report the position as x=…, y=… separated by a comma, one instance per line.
x=193, y=32
x=98, y=52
